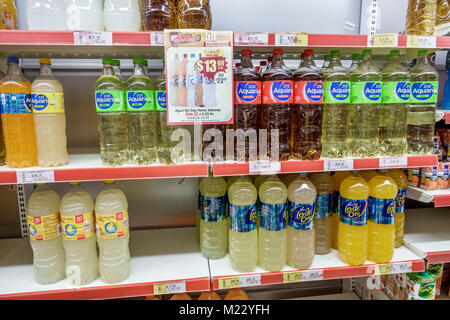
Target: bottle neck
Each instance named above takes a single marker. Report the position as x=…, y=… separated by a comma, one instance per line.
x=307, y=61
x=421, y=60
x=139, y=70
x=13, y=68
x=108, y=70
x=246, y=61
x=277, y=61
x=367, y=59
x=395, y=59
x=46, y=70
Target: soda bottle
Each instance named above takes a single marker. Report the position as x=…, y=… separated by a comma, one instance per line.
x=337, y=89
x=368, y=174
x=143, y=119
x=300, y=232
x=113, y=235
x=213, y=223
x=84, y=15
x=46, y=15
x=243, y=236
x=306, y=112
x=158, y=15
x=182, y=84
x=17, y=117
x=122, y=15
x=117, y=71
x=356, y=61
x=112, y=116
x=236, y=294
x=323, y=224
x=354, y=211
x=395, y=97
x=78, y=232
x=337, y=178
x=422, y=106
x=44, y=227
x=363, y=112
x=382, y=202
x=247, y=99
x=194, y=14
x=272, y=242
x=49, y=118
x=277, y=96
x=399, y=221
x=326, y=61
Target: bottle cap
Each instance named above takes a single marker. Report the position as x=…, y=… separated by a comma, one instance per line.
x=270, y=58
x=367, y=52
x=356, y=56
x=388, y=57
x=263, y=63
x=137, y=60
x=74, y=183
x=116, y=63
x=394, y=53
x=45, y=61
x=309, y=51
x=246, y=52
x=278, y=51
x=12, y=59
x=107, y=61
x=110, y=181
x=145, y=62
x=335, y=53
x=422, y=52
x=326, y=57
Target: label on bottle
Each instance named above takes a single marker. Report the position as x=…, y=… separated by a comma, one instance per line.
x=45, y=102
x=365, y=92
x=277, y=92
x=396, y=92
x=301, y=215
x=242, y=218
x=273, y=216
x=308, y=92
x=335, y=201
x=400, y=206
x=161, y=100
x=323, y=206
x=354, y=212
x=140, y=100
x=247, y=92
x=110, y=101
x=212, y=208
x=424, y=92
x=44, y=228
x=16, y=103
x=382, y=211
x=78, y=227
x=337, y=92
x=112, y=225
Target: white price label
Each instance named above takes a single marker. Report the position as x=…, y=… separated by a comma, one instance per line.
x=311, y=275
x=420, y=42
x=393, y=162
x=249, y=281
x=35, y=176
x=251, y=38
x=264, y=166
x=401, y=267
x=337, y=164
x=157, y=38
x=92, y=38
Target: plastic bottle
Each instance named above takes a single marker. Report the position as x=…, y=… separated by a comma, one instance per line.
x=243, y=236
x=174, y=81
x=402, y=181
x=190, y=80
x=354, y=212
x=442, y=12
x=337, y=178
x=113, y=235
x=117, y=71
x=158, y=15
x=288, y=178
x=277, y=97
x=49, y=118
x=393, y=113
x=194, y=14
x=182, y=78
x=356, y=61
x=326, y=61
x=78, y=232
x=363, y=112
x=337, y=89
x=272, y=242
x=111, y=105
x=421, y=17
x=213, y=223
x=8, y=17
x=199, y=87
x=368, y=174
x=300, y=231
x=122, y=15
x=84, y=15
x=143, y=128
x=233, y=179
x=306, y=113
x=17, y=117
x=46, y=15
x=382, y=202
x=44, y=227
x=445, y=104
x=323, y=224
x=422, y=106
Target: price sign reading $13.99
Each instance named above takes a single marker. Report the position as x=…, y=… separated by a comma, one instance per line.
x=210, y=66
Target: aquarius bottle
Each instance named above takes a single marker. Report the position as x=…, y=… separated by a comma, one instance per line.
x=117, y=71
x=382, y=203
x=300, y=231
x=356, y=60
x=243, y=235
x=44, y=227
x=399, y=221
x=78, y=232
x=337, y=178
x=326, y=61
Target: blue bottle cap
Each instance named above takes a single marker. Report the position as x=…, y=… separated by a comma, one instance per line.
x=12, y=60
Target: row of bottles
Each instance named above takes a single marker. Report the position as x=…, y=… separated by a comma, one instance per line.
x=423, y=16
x=233, y=294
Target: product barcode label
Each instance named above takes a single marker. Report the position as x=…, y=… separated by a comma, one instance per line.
x=169, y=288
x=382, y=40
x=291, y=39
x=92, y=38
x=337, y=164
x=293, y=276
x=250, y=280
x=420, y=42
x=251, y=38
x=264, y=166
x=35, y=176
x=386, y=162
x=229, y=282
x=312, y=275
x=157, y=38
x=392, y=268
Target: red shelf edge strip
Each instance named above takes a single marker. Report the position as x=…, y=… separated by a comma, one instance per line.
x=438, y=257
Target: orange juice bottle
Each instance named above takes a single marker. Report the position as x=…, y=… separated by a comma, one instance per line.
x=337, y=177
x=402, y=181
x=17, y=117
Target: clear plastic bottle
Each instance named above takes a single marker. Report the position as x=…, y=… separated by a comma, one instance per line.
x=78, y=232
x=326, y=61
x=44, y=227
x=337, y=178
x=112, y=117
x=46, y=15
x=233, y=179
x=422, y=106
x=243, y=235
x=49, y=118
x=402, y=181
x=117, y=71
x=323, y=224
x=288, y=178
x=113, y=235
x=356, y=61
x=194, y=14
x=122, y=15
x=300, y=231
x=84, y=15
x=158, y=15
x=421, y=17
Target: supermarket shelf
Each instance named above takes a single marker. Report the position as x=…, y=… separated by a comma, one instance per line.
x=441, y=198
x=158, y=257
x=323, y=267
x=427, y=233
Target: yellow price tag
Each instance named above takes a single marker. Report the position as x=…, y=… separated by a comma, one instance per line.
x=385, y=40
x=294, y=276
x=412, y=41
x=420, y=42
x=229, y=282
x=159, y=288
x=381, y=269
x=302, y=39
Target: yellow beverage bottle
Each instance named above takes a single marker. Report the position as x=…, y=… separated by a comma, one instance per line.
x=368, y=174
x=354, y=211
x=338, y=177
x=402, y=181
x=382, y=202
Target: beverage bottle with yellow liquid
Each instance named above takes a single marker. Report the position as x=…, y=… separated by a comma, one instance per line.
x=194, y=14
x=288, y=178
x=243, y=235
x=354, y=211
x=300, y=232
x=230, y=182
x=382, y=202
x=113, y=233
x=78, y=232
x=337, y=178
x=402, y=181
x=368, y=174
x=44, y=227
